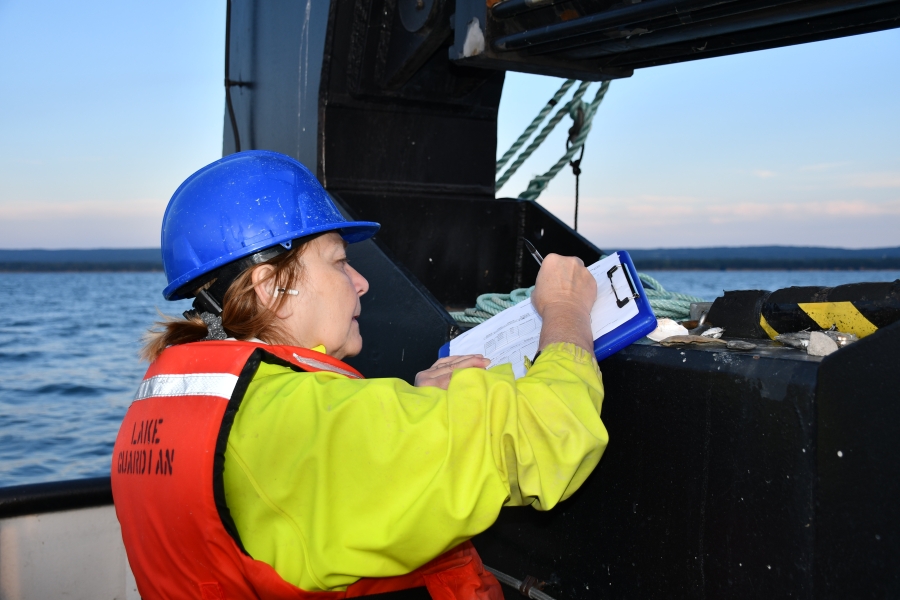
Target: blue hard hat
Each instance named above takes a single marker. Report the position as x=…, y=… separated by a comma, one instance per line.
x=240, y=205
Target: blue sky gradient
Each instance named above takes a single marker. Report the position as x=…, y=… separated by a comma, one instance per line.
x=108, y=106
x=793, y=146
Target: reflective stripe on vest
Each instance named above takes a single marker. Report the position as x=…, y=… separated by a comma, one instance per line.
x=208, y=384
x=169, y=495
x=318, y=364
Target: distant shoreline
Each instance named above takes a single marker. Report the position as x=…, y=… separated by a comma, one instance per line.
x=888, y=265
x=738, y=258
x=23, y=267
x=737, y=269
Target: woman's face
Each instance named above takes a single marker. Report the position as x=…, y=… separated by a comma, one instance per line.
x=325, y=310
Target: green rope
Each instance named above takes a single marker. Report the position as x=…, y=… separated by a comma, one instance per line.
x=579, y=92
x=672, y=305
x=665, y=304
x=539, y=183
x=534, y=124
x=488, y=305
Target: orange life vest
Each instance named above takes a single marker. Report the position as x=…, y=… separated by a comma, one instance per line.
x=167, y=481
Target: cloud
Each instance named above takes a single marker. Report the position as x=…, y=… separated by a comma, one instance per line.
x=83, y=209
x=825, y=166
x=874, y=180
x=88, y=224
x=687, y=208
x=819, y=177
x=823, y=177
x=648, y=221
x=756, y=211
x=764, y=174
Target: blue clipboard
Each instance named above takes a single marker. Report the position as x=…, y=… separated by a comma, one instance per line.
x=626, y=334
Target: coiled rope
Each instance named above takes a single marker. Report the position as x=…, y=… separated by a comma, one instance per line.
x=672, y=305
x=534, y=125
x=551, y=124
x=488, y=305
x=539, y=183
x=665, y=304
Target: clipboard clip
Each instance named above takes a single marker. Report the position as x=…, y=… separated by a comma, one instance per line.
x=623, y=301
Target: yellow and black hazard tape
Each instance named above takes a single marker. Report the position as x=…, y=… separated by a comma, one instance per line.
x=859, y=308
x=844, y=316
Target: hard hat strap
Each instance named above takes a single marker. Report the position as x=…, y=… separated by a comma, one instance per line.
x=206, y=303
x=211, y=299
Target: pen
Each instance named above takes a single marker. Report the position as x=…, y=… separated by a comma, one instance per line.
x=537, y=255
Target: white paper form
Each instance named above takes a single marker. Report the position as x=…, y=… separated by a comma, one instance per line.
x=507, y=337
x=513, y=334
x=606, y=315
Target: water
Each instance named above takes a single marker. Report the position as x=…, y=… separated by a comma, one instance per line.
x=709, y=285
x=69, y=367
x=69, y=357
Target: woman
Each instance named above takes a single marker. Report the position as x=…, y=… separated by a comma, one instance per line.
x=255, y=463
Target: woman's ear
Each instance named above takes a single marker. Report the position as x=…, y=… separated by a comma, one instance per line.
x=264, y=286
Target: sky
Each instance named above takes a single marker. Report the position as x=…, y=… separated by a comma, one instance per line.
x=106, y=107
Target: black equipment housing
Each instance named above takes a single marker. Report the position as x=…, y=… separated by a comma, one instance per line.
x=607, y=39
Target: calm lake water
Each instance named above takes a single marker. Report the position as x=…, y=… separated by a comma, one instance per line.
x=69, y=364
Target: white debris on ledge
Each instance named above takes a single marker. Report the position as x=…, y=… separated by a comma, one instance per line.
x=666, y=328
x=803, y=340
x=713, y=332
x=474, y=44
x=820, y=344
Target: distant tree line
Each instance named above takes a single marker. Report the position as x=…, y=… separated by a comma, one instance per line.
x=781, y=258
x=646, y=264
x=74, y=267
x=771, y=264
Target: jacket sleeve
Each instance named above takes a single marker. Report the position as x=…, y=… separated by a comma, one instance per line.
x=330, y=479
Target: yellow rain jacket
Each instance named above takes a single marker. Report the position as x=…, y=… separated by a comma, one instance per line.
x=330, y=479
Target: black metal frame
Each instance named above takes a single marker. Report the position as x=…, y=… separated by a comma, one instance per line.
x=605, y=39
x=36, y=498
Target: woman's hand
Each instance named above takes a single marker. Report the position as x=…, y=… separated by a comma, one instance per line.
x=563, y=295
x=439, y=373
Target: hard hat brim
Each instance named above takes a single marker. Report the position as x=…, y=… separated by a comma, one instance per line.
x=351, y=231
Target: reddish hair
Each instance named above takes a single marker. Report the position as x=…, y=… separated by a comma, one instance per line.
x=243, y=315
